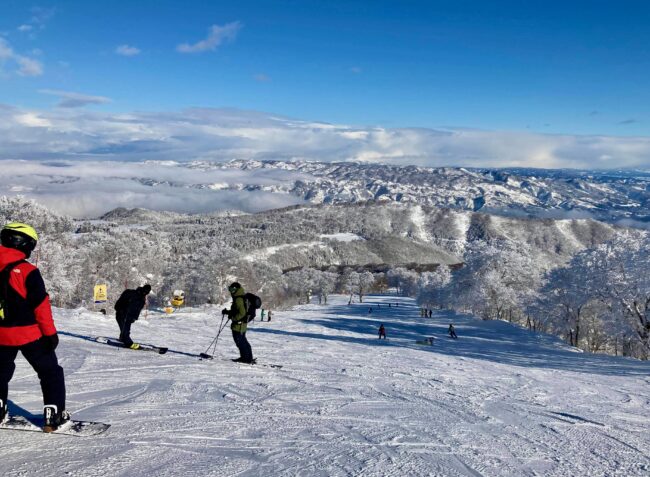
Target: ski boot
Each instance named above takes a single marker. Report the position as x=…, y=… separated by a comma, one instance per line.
x=54, y=418
x=3, y=411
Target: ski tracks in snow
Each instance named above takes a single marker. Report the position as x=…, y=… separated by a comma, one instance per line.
x=343, y=404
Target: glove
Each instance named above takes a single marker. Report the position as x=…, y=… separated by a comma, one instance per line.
x=224, y=311
x=51, y=342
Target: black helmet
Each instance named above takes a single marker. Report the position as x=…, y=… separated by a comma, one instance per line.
x=145, y=289
x=233, y=287
x=19, y=236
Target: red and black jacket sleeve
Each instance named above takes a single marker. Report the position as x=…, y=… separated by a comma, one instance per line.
x=28, y=313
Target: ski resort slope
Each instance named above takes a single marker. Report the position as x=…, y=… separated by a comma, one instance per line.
x=499, y=401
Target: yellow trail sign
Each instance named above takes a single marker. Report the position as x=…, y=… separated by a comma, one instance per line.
x=101, y=293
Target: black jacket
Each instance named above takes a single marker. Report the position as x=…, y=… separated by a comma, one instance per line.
x=130, y=304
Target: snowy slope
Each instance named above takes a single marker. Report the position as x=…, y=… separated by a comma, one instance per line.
x=497, y=402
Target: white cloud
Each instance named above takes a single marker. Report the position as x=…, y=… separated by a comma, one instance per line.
x=69, y=99
x=262, y=78
x=23, y=65
x=29, y=66
x=25, y=28
x=126, y=50
x=356, y=70
x=225, y=134
x=88, y=188
x=216, y=36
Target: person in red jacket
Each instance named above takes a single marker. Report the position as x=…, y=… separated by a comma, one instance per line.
x=26, y=324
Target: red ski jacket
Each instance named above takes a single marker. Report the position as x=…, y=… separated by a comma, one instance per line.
x=26, y=314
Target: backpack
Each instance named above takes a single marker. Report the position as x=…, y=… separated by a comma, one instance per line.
x=252, y=304
x=4, y=284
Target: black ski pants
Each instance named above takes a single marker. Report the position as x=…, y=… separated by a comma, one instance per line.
x=125, y=329
x=244, y=347
x=43, y=359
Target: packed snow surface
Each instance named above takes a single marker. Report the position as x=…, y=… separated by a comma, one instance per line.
x=499, y=401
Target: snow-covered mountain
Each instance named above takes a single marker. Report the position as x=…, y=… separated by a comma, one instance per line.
x=498, y=401
x=90, y=189
x=602, y=195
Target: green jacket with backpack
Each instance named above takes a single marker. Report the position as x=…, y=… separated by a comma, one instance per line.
x=237, y=312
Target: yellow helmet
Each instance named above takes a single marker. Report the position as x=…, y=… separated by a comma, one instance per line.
x=22, y=237
x=23, y=229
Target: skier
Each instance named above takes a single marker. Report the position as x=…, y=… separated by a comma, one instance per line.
x=369, y=310
x=262, y=315
x=269, y=318
x=382, y=331
x=127, y=311
x=452, y=331
x=430, y=313
x=26, y=324
x=237, y=314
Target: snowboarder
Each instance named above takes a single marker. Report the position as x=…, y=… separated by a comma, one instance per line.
x=26, y=324
x=237, y=314
x=382, y=331
x=452, y=331
x=127, y=311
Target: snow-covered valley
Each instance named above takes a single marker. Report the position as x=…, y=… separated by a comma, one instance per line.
x=499, y=401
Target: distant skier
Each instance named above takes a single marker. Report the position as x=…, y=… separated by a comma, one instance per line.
x=269, y=316
x=127, y=311
x=382, y=331
x=262, y=315
x=430, y=313
x=452, y=331
x=238, y=316
x=369, y=310
x=389, y=305
x=26, y=324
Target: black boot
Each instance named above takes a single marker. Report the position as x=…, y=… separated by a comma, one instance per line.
x=3, y=411
x=54, y=418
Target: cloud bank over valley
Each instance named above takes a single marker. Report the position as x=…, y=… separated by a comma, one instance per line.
x=226, y=134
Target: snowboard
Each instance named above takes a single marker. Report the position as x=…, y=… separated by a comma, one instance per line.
x=119, y=344
x=70, y=428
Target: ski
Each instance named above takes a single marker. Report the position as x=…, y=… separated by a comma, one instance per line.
x=70, y=428
x=263, y=365
x=141, y=347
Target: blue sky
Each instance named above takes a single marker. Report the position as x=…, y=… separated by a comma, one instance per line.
x=439, y=83
x=557, y=67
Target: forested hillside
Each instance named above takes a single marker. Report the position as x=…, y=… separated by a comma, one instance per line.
x=562, y=276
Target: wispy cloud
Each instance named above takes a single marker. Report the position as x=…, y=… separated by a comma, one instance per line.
x=262, y=78
x=127, y=50
x=356, y=70
x=224, y=134
x=41, y=15
x=22, y=65
x=69, y=99
x=628, y=121
x=39, y=18
x=156, y=186
x=216, y=36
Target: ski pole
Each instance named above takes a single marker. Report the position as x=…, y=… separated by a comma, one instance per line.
x=214, y=341
x=215, y=338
